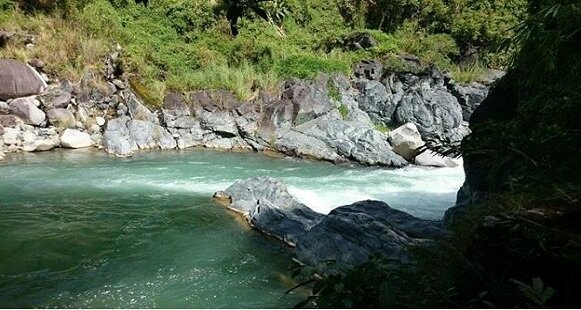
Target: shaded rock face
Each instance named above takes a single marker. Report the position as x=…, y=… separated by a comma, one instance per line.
x=360, y=41
x=434, y=111
x=368, y=69
x=349, y=235
x=469, y=97
x=18, y=80
x=309, y=99
x=56, y=97
x=375, y=99
x=499, y=106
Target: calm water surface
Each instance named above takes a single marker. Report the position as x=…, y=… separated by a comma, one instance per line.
x=83, y=229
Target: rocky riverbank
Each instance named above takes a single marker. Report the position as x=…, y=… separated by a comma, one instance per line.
x=331, y=118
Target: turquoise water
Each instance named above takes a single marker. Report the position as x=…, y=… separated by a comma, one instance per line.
x=83, y=229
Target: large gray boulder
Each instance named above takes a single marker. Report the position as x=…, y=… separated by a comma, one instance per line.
x=406, y=140
x=11, y=121
x=352, y=141
x=18, y=80
x=123, y=136
x=137, y=110
x=221, y=123
x=309, y=98
x=150, y=136
x=433, y=110
x=298, y=144
x=349, y=235
x=188, y=137
x=352, y=234
x=376, y=100
x=432, y=159
x=26, y=109
x=175, y=104
x=269, y=208
x=301, y=101
x=277, y=119
x=75, y=139
x=116, y=138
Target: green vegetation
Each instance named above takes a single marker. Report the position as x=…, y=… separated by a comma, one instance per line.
x=383, y=128
x=185, y=45
x=520, y=246
x=344, y=110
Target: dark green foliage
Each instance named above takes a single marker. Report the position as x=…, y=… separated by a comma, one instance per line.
x=537, y=139
x=520, y=247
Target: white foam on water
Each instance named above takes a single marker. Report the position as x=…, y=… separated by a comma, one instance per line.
x=425, y=192
x=325, y=201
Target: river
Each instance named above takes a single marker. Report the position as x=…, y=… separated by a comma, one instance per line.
x=82, y=229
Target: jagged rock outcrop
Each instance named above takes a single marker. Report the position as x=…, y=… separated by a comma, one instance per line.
x=352, y=141
x=469, y=96
x=352, y=234
x=349, y=235
x=123, y=136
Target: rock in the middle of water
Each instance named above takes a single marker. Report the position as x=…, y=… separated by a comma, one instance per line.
x=350, y=235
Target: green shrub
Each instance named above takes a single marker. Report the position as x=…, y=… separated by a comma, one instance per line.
x=309, y=66
x=344, y=110
x=383, y=128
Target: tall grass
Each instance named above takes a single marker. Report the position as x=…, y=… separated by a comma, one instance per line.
x=186, y=45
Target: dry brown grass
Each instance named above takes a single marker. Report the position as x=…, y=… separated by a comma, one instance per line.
x=62, y=44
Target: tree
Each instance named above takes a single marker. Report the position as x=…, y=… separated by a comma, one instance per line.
x=272, y=11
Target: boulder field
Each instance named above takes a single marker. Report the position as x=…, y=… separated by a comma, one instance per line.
x=376, y=118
